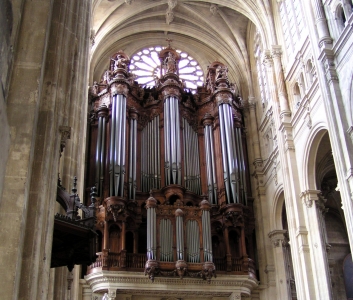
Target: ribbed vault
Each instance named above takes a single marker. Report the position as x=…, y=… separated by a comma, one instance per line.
x=208, y=30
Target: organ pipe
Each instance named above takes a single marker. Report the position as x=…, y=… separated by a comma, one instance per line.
x=206, y=234
x=151, y=232
x=166, y=240
x=132, y=156
x=210, y=165
x=179, y=234
x=172, y=141
x=100, y=148
x=150, y=156
x=233, y=157
x=193, y=241
x=117, y=146
x=191, y=159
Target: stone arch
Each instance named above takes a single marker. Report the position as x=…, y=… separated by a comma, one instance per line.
x=277, y=208
x=310, y=153
x=320, y=175
x=351, y=102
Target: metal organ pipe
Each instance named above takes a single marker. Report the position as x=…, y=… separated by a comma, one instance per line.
x=151, y=233
x=150, y=154
x=172, y=141
x=207, y=238
x=233, y=157
x=132, y=156
x=100, y=152
x=193, y=240
x=191, y=159
x=117, y=146
x=166, y=240
x=210, y=165
x=224, y=155
x=179, y=235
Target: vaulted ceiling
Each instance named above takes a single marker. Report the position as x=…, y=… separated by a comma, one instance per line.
x=208, y=30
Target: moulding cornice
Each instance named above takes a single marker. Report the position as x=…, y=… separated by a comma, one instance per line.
x=137, y=283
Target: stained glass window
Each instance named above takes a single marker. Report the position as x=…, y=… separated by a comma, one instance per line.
x=145, y=64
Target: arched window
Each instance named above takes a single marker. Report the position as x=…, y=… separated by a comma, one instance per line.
x=340, y=18
x=309, y=70
x=292, y=23
x=297, y=96
x=261, y=72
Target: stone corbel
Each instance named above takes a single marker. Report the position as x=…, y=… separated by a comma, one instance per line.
x=65, y=132
x=277, y=237
x=309, y=196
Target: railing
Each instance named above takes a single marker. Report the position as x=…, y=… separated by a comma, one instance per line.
x=220, y=263
x=237, y=264
x=113, y=260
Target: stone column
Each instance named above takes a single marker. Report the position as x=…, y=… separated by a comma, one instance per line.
x=317, y=244
x=23, y=102
x=281, y=87
x=254, y=133
x=296, y=222
x=277, y=238
x=321, y=23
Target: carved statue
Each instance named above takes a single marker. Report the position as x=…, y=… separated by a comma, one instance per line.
x=95, y=88
x=119, y=62
x=170, y=64
x=221, y=72
x=106, y=77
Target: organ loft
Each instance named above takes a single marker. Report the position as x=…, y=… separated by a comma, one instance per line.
x=170, y=170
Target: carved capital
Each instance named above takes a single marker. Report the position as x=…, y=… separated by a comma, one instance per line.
x=133, y=114
x=119, y=88
x=309, y=196
x=223, y=98
x=277, y=237
x=171, y=91
x=277, y=51
x=207, y=120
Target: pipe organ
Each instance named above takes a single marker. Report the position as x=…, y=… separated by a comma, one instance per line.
x=171, y=174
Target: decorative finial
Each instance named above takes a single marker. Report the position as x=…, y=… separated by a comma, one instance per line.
x=93, y=194
x=74, y=189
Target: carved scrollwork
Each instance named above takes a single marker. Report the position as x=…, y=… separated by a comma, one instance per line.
x=152, y=269
x=116, y=210
x=224, y=98
x=208, y=271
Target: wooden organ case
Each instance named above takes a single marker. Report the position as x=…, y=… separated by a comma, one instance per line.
x=170, y=169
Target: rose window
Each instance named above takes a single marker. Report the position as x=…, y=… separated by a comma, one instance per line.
x=145, y=64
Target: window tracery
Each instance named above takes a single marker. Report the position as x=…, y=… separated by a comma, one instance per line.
x=292, y=23
x=261, y=72
x=145, y=64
